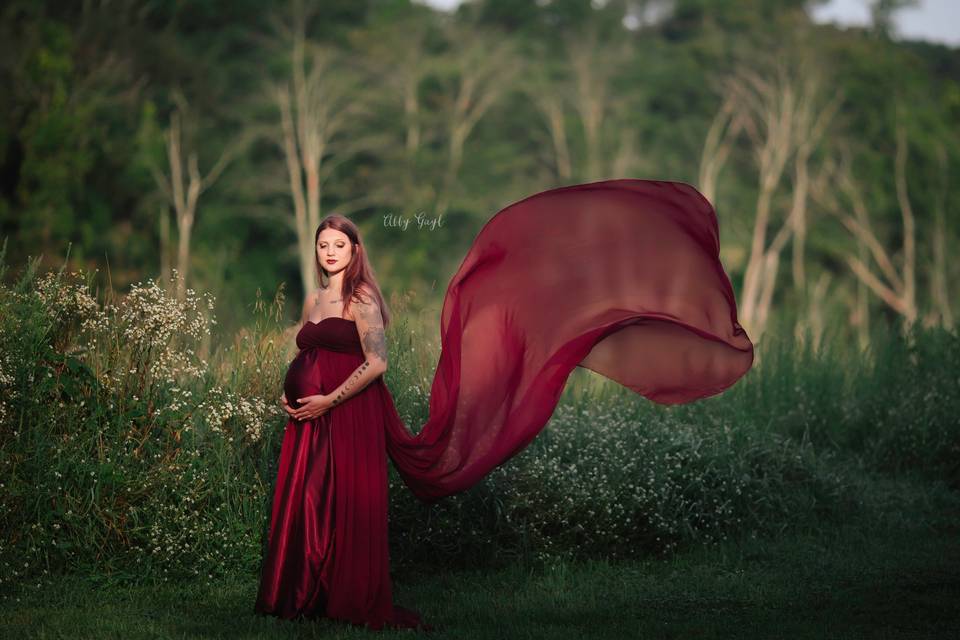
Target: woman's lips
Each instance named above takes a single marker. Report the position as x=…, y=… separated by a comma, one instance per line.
x=331, y=261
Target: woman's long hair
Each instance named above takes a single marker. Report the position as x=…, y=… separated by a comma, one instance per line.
x=358, y=271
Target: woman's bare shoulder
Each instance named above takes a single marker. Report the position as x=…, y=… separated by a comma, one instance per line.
x=364, y=294
x=310, y=301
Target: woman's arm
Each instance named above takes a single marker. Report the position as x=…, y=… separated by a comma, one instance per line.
x=373, y=340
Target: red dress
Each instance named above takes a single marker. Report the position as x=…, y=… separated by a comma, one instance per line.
x=621, y=276
x=328, y=552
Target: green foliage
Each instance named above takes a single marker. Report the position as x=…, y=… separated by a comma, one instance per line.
x=125, y=449
x=120, y=448
x=91, y=88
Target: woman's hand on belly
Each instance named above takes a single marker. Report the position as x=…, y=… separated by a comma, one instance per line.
x=286, y=404
x=312, y=406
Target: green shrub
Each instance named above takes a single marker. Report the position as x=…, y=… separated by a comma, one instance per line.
x=133, y=442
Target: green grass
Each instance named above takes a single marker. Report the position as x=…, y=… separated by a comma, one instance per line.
x=896, y=578
x=818, y=497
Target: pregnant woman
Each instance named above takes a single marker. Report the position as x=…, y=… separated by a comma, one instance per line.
x=622, y=277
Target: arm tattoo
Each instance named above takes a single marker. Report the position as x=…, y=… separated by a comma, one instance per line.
x=374, y=346
x=346, y=386
x=374, y=340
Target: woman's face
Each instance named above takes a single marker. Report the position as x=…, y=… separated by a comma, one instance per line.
x=334, y=250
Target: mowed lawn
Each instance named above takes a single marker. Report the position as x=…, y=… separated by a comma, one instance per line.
x=896, y=578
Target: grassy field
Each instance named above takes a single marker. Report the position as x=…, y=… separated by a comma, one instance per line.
x=819, y=497
x=899, y=578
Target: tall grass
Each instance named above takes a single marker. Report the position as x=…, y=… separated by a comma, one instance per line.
x=133, y=444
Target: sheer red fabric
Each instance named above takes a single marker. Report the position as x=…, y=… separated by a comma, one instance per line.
x=622, y=277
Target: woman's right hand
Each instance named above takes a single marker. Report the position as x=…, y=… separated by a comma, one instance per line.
x=286, y=404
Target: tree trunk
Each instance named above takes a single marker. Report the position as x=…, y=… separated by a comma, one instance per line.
x=939, y=293
x=183, y=190
x=909, y=296
x=164, y=219
x=724, y=128
x=484, y=70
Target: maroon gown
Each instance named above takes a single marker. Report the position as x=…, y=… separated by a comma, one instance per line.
x=622, y=277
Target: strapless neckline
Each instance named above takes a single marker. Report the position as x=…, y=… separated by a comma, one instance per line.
x=334, y=334
x=331, y=318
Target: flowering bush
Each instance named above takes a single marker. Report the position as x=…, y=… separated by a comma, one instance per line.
x=121, y=448
x=130, y=442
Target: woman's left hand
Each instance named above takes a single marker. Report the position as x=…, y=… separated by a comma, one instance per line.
x=311, y=407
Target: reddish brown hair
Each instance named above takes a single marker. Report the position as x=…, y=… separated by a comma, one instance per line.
x=358, y=272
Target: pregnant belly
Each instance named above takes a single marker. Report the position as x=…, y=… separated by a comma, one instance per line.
x=303, y=377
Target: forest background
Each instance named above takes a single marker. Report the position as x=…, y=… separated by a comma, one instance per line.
x=211, y=137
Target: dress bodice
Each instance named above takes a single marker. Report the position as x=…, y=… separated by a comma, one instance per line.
x=329, y=351
x=333, y=333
